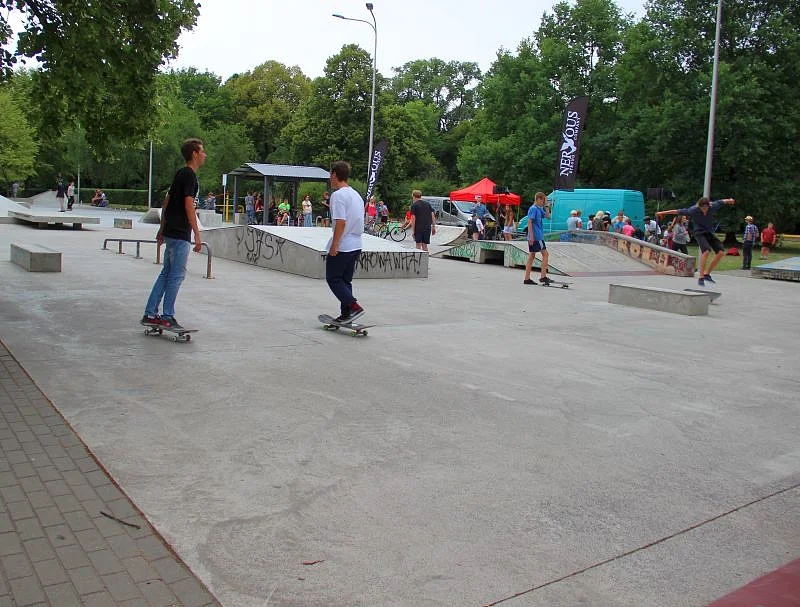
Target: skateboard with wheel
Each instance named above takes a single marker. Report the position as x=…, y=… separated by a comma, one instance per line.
x=556, y=284
x=713, y=294
x=329, y=324
x=177, y=334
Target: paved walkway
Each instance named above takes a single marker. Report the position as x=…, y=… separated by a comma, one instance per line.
x=68, y=535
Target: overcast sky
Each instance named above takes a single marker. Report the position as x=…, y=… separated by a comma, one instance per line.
x=234, y=36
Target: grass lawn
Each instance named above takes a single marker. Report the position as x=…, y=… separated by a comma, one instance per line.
x=730, y=262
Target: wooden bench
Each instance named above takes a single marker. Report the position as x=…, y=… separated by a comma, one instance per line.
x=688, y=303
x=35, y=258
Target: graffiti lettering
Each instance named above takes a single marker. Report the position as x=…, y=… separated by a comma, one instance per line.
x=376, y=262
x=258, y=245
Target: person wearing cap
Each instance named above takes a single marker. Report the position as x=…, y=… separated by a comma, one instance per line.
x=572, y=221
x=748, y=241
x=702, y=215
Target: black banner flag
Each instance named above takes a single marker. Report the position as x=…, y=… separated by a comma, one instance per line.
x=569, y=143
x=378, y=154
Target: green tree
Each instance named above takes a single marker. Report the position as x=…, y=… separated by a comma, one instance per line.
x=97, y=60
x=18, y=146
x=203, y=93
x=264, y=101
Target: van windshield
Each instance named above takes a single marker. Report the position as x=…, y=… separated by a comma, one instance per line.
x=464, y=207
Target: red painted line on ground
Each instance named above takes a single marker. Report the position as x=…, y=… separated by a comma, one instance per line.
x=781, y=588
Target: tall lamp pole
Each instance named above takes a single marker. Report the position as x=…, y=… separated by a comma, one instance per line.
x=374, y=26
x=712, y=114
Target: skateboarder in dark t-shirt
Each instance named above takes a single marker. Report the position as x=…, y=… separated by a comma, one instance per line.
x=178, y=222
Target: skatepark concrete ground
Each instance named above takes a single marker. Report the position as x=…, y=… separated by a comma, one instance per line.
x=488, y=443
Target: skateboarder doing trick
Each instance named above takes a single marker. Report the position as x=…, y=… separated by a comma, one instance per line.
x=536, y=214
x=344, y=247
x=178, y=222
x=702, y=216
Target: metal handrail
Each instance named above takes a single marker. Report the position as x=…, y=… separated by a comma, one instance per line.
x=139, y=242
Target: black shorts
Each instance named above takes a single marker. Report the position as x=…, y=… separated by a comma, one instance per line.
x=384, y=219
x=707, y=242
x=536, y=246
x=422, y=237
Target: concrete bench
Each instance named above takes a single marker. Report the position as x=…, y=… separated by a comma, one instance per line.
x=664, y=300
x=36, y=258
x=120, y=222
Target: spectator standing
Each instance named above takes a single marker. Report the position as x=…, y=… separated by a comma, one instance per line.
x=702, y=214
x=308, y=211
x=344, y=248
x=768, y=239
x=423, y=221
x=259, y=208
x=628, y=229
x=651, y=230
x=384, y=212
x=619, y=222
x=748, y=242
x=479, y=208
x=250, y=207
x=680, y=235
x=370, y=210
x=14, y=189
x=211, y=202
x=326, y=209
x=508, y=223
x=61, y=191
x=70, y=195
x=178, y=223
x=573, y=221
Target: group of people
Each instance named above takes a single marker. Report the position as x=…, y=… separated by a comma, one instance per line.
x=373, y=209
x=280, y=213
x=65, y=194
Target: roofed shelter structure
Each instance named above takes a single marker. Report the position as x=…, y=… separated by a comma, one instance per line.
x=270, y=174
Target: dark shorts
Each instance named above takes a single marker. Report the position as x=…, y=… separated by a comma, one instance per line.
x=537, y=246
x=707, y=242
x=422, y=236
x=384, y=219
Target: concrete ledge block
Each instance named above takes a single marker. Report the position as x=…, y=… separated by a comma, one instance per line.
x=662, y=300
x=152, y=216
x=36, y=258
x=120, y=222
x=209, y=219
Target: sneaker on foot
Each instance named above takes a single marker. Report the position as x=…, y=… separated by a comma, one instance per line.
x=150, y=320
x=701, y=282
x=709, y=279
x=528, y=281
x=545, y=280
x=355, y=311
x=171, y=323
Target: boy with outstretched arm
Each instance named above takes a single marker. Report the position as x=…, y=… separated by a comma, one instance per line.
x=536, y=214
x=702, y=216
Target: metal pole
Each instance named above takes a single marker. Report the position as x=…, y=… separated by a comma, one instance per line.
x=374, y=26
x=374, y=72
x=712, y=114
x=150, y=179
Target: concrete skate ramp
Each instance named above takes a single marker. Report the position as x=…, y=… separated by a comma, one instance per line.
x=785, y=269
x=447, y=235
x=303, y=251
x=582, y=254
x=7, y=205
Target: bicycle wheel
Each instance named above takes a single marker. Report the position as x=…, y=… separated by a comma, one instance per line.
x=397, y=234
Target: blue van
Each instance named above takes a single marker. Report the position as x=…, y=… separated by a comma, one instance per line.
x=589, y=202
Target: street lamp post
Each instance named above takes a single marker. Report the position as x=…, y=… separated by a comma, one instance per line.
x=374, y=26
x=712, y=114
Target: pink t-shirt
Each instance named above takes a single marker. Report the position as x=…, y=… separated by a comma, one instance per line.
x=628, y=230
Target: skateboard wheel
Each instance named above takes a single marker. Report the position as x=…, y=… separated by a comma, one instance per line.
x=175, y=339
x=188, y=338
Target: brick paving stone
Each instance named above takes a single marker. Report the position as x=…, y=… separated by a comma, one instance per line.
x=63, y=595
x=56, y=549
x=51, y=572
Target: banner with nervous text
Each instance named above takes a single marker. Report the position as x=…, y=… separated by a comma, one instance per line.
x=569, y=143
x=378, y=154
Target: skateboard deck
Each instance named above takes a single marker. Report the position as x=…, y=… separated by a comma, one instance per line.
x=556, y=284
x=329, y=323
x=713, y=294
x=177, y=334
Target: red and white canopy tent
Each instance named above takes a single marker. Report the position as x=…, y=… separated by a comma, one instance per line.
x=485, y=188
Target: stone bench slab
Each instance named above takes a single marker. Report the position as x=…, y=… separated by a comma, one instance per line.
x=45, y=219
x=663, y=300
x=35, y=257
